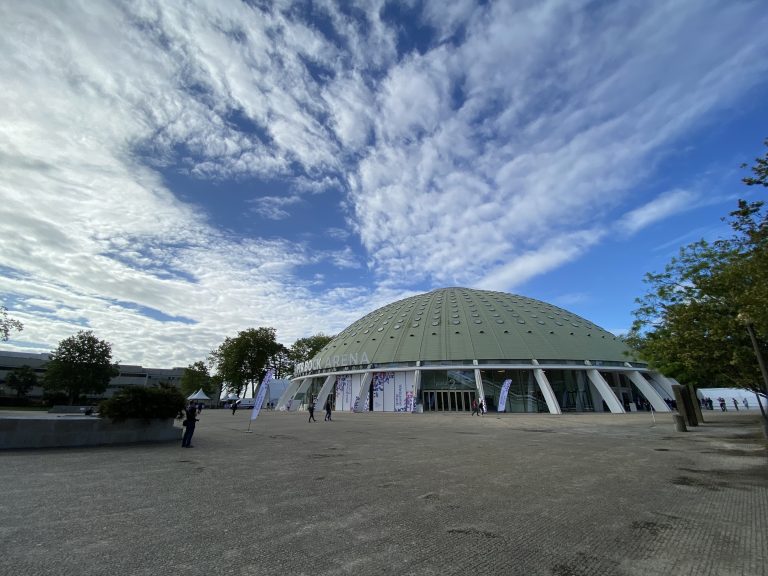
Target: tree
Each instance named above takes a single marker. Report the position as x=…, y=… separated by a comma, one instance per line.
x=194, y=378
x=7, y=324
x=244, y=359
x=281, y=362
x=306, y=348
x=705, y=319
x=22, y=379
x=81, y=364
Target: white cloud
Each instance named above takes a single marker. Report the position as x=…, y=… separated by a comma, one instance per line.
x=486, y=160
x=661, y=207
x=273, y=207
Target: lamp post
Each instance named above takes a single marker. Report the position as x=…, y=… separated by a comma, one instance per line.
x=747, y=321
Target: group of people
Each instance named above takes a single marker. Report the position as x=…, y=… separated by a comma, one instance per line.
x=478, y=408
x=723, y=406
x=311, y=410
x=710, y=405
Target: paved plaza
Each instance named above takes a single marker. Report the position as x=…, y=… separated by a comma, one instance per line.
x=428, y=494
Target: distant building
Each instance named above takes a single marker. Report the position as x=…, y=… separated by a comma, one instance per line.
x=444, y=350
x=130, y=375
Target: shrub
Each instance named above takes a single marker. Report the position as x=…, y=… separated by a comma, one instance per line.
x=144, y=403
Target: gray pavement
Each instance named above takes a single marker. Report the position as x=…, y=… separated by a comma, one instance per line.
x=427, y=494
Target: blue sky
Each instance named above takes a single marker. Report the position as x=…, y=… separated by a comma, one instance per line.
x=172, y=173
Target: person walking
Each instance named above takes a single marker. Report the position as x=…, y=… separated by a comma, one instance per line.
x=189, y=425
x=234, y=407
x=721, y=401
x=311, y=409
x=480, y=408
x=474, y=407
x=328, y=410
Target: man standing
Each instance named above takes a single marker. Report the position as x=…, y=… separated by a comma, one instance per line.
x=189, y=425
x=311, y=409
x=328, y=410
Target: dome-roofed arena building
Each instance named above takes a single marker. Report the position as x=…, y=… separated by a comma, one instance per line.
x=438, y=351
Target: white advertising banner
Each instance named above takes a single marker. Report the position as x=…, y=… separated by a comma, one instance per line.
x=343, y=392
x=503, y=395
x=259, y=400
x=381, y=381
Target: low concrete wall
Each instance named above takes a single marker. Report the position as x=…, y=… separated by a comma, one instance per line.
x=70, y=431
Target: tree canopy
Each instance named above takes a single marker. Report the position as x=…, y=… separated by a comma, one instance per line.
x=21, y=379
x=7, y=324
x=306, y=348
x=195, y=377
x=244, y=359
x=81, y=364
x=693, y=322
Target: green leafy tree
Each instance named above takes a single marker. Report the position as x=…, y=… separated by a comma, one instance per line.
x=81, y=364
x=281, y=362
x=195, y=377
x=7, y=324
x=244, y=359
x=22, y=379
x=694, y=323
x=307, y=348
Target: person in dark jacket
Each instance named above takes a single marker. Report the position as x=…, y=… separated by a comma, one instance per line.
x=189, y=425
x=311, y=408
x=328, y=410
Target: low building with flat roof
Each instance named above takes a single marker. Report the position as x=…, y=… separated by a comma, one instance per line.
x=130, y=375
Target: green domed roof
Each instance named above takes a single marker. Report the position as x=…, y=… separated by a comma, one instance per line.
x=461, y=325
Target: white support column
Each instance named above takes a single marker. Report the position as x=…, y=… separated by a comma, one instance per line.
x=605, y=391
x=292, y=406
x=325, y=391
x=479, y=387
x=546, y=389
x=417, y=390
x=288, y=393
x=363, y=392
x=648, y=391
x=662, y=381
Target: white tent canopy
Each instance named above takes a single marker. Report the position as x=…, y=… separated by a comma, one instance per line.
x=199, y=395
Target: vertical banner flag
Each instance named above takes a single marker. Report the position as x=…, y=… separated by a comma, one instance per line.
x=260, y=395
x=503, y=395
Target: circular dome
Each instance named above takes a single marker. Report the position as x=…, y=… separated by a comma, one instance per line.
x=463, y=325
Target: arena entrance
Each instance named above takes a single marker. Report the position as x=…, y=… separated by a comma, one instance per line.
x=447, y=400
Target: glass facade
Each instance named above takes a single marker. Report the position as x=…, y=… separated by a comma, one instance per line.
x=572, y=390
x=448, y=390
x=523, y=395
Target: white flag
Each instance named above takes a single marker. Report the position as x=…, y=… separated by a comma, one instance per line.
x=259, y=400
x=503, y=395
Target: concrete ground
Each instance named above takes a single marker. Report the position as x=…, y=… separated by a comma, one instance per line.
x=428, y=494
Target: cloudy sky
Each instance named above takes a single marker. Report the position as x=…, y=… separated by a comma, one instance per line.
x=174, y=172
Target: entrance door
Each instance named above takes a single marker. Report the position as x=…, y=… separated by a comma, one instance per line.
x=446, y=400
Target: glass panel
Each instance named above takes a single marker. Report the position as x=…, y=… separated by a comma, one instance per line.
x=571, y=389
x=524, y=394
x=448, y=380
